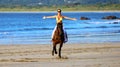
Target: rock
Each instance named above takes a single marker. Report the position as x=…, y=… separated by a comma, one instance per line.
x=84, y=18
x=116, y=23
x=110, y=17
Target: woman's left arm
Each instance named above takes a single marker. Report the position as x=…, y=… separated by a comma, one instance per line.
x=69, y=18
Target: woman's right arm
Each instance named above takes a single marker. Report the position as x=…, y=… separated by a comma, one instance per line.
x=49, y=17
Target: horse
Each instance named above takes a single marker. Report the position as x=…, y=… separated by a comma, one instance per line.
x=58, y=38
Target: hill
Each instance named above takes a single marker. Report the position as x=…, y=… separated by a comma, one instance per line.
x=54, y=2
x=51, y=5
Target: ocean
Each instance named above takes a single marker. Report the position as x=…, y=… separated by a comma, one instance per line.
x=31, y=28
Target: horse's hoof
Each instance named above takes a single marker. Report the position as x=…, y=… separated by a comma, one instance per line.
x=52, y=53
x=55, y=52
x=59, y=56
x=62, y=57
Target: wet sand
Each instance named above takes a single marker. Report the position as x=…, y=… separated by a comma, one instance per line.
x=73, y=55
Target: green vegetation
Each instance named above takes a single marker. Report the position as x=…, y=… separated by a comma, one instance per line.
x=98, y=7
x=66, y=5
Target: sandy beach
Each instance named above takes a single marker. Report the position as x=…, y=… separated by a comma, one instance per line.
x=73, y=55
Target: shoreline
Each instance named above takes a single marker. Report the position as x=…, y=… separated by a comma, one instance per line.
x=100, y=43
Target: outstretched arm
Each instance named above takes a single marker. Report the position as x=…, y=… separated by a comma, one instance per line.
x=49, y=17
x=69, y=18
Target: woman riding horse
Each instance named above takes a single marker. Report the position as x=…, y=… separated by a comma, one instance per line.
x=59, y=35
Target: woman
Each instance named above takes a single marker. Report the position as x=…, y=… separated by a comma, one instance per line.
x=59, y=35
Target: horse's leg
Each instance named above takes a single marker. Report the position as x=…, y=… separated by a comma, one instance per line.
x=54, y=49
x=61, y=44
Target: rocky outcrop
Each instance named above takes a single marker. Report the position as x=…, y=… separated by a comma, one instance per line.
x=110, y=17
x=84, y=18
